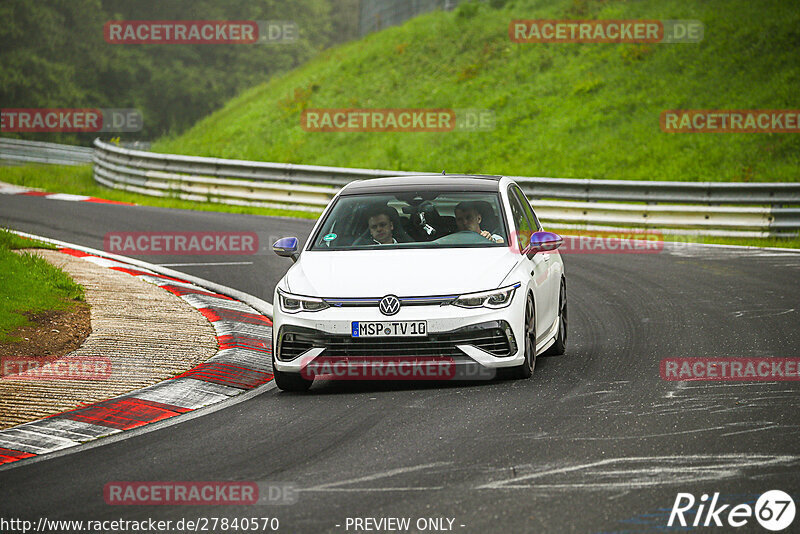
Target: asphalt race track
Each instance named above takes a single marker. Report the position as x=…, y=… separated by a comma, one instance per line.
x=596, y=441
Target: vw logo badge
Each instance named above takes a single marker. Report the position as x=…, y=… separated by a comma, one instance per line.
x=389, y=305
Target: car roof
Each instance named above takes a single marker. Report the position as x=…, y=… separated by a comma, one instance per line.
x=450, y=182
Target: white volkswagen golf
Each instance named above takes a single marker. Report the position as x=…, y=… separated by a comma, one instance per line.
x=432, y=269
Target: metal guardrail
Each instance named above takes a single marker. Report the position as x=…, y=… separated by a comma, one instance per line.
x=375, y=15
x=687, y=208
x=19, y=151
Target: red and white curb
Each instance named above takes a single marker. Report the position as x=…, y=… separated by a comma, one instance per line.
x=242, y=363
x=11, y=189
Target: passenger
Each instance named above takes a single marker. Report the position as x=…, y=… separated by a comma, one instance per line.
x=380, y=225
x=469, y=218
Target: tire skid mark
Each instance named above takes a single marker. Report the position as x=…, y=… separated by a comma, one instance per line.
x=629, y=473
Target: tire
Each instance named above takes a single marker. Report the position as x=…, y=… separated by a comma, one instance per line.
x=524, y=370
x=290, y=381
x=559, y=347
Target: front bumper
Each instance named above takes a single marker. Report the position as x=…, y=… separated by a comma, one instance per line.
x=468, y=337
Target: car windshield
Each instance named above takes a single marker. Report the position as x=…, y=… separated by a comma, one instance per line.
x=417, y=219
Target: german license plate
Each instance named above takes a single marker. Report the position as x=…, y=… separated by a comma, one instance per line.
x=389, y=328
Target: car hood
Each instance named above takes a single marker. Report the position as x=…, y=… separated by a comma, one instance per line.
x=405, y=273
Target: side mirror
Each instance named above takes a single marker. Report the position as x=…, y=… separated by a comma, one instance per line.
x=543, y=242
x=286, y=247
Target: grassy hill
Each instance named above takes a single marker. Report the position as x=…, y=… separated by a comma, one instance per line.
x=563, y=110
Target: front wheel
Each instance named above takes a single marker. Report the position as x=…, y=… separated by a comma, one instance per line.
x=525, y=369
x=290, y=381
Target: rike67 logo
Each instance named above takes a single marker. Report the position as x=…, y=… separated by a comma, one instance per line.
x=774, y=510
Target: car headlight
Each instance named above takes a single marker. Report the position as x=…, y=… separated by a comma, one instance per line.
x=495, y=298
x=296, y=303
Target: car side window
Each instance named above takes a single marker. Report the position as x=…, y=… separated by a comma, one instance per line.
x=521, y=222
x=526, y=205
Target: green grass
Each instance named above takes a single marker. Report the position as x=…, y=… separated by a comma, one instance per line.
x=769, y=242
x=29, y=284
x=78, y=180
x=12, y=241
x=772, y=242
x=563, y=110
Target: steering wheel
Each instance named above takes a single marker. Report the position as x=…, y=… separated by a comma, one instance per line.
x=463, y=237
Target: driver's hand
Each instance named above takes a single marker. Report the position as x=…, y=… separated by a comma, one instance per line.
x=488, y=235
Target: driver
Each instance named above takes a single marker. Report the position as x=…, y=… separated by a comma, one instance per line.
x=469, y=218
x=380, y=225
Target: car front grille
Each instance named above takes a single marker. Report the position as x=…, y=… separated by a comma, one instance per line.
x=497, y=340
